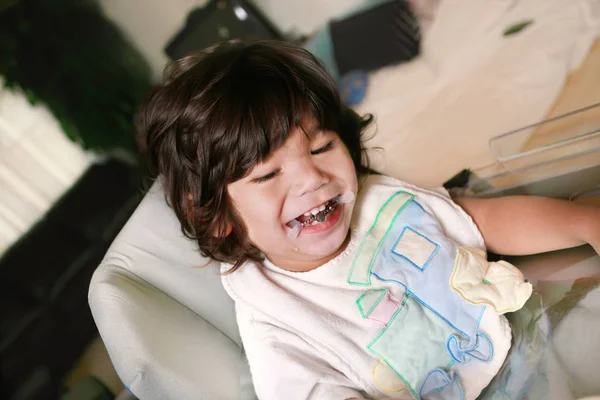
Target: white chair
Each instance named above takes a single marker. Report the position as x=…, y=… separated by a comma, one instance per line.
x=163, y=314
x=170, y=327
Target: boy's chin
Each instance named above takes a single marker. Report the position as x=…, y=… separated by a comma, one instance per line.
x=324, y=248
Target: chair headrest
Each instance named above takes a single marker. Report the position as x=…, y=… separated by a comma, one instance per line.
x=152, y=247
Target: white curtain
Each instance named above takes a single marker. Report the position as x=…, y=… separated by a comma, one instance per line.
x=38, y=163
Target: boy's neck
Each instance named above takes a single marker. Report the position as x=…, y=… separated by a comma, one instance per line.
x=309, y=265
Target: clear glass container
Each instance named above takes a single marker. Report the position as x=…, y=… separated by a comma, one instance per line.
x=557, y=157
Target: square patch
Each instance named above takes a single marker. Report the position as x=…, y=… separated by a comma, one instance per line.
x=415, y=247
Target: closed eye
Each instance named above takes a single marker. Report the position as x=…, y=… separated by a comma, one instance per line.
x=266, y=177
x=323, y=149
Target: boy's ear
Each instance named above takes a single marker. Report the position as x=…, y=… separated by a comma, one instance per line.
x=225, y=232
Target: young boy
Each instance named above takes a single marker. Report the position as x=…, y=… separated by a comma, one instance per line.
x=347, y=285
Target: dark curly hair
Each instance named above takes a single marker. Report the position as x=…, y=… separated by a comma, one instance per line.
x=220, y=112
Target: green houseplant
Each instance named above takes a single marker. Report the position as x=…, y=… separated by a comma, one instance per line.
x=68, y=55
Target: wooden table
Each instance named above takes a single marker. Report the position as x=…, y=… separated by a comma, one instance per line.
x=582, y=89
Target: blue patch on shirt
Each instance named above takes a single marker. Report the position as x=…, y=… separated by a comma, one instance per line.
x=430, y=285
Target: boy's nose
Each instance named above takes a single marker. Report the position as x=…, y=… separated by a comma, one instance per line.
x=309, y=179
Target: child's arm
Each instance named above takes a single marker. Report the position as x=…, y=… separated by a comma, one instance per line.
x=520, y=225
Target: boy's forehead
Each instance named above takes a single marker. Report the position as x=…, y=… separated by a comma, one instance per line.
x=311, y=127
x=308, y=130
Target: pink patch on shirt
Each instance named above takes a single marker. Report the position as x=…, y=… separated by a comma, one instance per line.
x=385, y=310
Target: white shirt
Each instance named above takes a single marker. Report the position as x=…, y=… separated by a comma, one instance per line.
x=304, y=335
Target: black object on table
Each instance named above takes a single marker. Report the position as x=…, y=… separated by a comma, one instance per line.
x=221, y=20
x=385, y=34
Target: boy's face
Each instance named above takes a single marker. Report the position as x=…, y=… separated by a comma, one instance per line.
x=303, y=174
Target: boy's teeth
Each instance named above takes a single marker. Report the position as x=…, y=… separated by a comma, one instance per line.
x=316, y=210
x=312, y=213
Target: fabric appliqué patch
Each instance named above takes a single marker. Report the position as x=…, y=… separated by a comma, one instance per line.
x=413, y=327
x=386, y=379
x=378, y=305
x=360, y=274
x=369, y=300
x=432, y=328
x=415, y=247
x=439, y=385
x=497, y=284
x=463, y=350
x=407, y=246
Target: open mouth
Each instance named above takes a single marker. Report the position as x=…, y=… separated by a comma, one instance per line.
x=317, y=214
